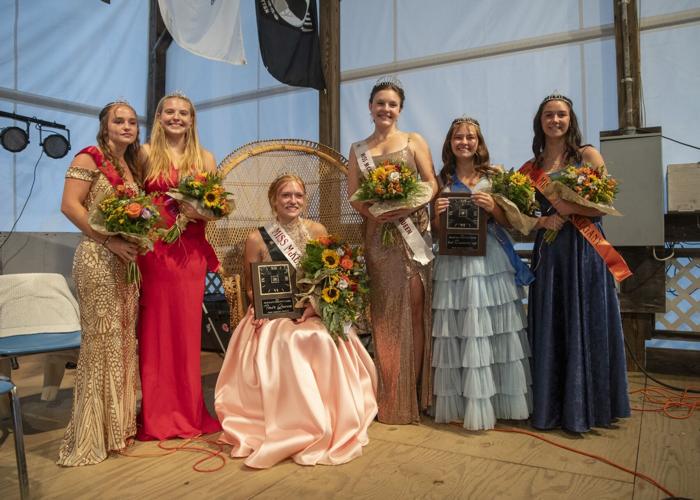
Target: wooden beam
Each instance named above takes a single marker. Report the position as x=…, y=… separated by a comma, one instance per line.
x=329, y=100
x=629, y=73
x=637, y=320
x=158, y=42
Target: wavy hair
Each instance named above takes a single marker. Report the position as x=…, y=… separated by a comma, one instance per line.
x=572, y=139
x=482, y=162
x=159, y=157
x=131, y=155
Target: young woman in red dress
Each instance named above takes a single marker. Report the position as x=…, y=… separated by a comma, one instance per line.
x=170, y=312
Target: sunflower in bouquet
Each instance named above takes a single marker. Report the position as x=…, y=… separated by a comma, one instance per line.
x=515, y=194
x=334, y=280
x=130, y=214
x=392, y=186
x=205, y=193
x=585, y=186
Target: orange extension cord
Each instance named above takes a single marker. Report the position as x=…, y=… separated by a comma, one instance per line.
x=668, y=403
x=185, y=446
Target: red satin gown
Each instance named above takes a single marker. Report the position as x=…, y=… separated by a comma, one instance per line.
x=169, y=328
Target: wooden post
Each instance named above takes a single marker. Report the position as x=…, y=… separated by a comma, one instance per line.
x=637, y=322
x=629, y=73
x=158, y=42
x=329, y=100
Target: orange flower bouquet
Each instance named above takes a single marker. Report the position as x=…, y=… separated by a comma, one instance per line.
x=585, y=186
x=333, y=279
x=130, y=214
x=205, y=193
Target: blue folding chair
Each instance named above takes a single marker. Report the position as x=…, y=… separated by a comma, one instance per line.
x=7, y=387
x=23, y=304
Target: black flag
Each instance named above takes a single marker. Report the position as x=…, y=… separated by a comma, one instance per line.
x=287, y=31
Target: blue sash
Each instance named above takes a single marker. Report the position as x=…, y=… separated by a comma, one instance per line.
x=523, y=275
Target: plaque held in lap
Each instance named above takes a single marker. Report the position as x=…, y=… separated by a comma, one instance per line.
x=274, y=290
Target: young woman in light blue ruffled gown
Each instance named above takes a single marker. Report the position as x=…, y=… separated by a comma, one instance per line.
x=480, y=347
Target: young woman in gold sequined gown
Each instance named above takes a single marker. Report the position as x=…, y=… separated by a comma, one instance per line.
x=399, y=285
x=103, y=418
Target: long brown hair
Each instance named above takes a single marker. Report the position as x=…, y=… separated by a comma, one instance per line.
x=131, y=155
x=481, y=156
x=572, y=139
x=159, y=158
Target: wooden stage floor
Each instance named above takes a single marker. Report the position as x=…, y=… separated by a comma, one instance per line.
x=414, y=461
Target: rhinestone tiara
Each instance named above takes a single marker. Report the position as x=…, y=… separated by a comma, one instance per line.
x=556, y=96
x=388, y=80
x=466, y=119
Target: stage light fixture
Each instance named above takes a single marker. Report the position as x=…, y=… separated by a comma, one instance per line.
x=55, y=145
x=15, y=139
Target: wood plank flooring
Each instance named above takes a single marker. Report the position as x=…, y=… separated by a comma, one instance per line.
x=414, y=461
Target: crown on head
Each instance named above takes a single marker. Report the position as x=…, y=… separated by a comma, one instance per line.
x=179, y=94
x=556, y=96
x=466, y=119
x=388, y=80
x=118, y=100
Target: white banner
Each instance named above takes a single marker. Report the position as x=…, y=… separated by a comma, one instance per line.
x=285, y=243
x=208, y=28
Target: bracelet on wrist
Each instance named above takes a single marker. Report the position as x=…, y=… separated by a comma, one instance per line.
x=104, y=243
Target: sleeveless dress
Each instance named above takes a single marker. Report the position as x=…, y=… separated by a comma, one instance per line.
x=103, y=417
x=286, y=390
x=480, y=347
x=575, y=331
x=390, y=270
x=170, y=326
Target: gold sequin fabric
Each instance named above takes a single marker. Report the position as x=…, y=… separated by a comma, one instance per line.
x=104, y=398
x=391, y=269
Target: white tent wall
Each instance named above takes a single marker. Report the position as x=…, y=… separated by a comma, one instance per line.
x=88, y=52
x=82, y=52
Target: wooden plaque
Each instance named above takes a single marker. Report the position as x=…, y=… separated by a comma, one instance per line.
x=274, y=290
x=462, y=226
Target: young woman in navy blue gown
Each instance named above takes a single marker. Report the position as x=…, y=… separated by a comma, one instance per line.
x=574, y=325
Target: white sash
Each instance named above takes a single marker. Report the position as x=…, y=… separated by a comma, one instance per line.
x=419, y=248
x=284, y=242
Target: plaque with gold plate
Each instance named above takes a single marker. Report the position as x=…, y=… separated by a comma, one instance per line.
x=462, y=226
x=274, y=290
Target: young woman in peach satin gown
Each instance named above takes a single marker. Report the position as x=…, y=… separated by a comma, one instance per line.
x=286, y=389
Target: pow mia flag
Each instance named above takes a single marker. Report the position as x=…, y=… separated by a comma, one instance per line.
x=287, y=31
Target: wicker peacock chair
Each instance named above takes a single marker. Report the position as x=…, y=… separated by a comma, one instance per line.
x=248, y=172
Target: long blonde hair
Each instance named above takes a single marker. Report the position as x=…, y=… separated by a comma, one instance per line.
x=159, y=158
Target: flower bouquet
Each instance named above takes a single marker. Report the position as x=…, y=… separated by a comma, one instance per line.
x=334, y=280
x=515, y=194
x=130, y=214
x=585, y=186
x=392, y=186
x=205, y=193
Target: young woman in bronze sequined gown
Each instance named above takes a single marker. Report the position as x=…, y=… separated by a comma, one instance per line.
x=103, y=418
x=399, y=285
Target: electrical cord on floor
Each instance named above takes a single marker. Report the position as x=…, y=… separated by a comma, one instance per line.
x=664, y=384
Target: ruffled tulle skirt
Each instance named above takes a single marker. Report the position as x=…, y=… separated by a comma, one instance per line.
x=480, y=347
x=287, y=390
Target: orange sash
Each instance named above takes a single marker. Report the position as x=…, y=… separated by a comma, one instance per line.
x=616, y=264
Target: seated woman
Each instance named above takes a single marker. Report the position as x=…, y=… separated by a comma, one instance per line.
x=286, y=390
